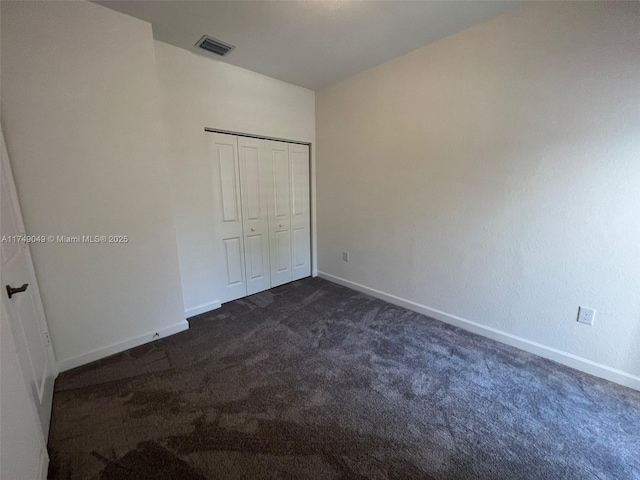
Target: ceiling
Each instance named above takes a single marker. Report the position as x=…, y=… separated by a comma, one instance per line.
x=309, y=43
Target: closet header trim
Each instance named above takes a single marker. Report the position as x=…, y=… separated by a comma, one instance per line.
x=262, y=137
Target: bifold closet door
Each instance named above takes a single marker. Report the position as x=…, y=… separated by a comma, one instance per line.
x=227, y=215
x=300, y=211
x=255, y=185
x=261, y=213
x=279, y=213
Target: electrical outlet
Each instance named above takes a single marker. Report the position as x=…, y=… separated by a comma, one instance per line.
x=586, y=315
x=345, y=256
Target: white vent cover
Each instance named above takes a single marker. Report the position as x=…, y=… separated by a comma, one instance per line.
x=215, y=46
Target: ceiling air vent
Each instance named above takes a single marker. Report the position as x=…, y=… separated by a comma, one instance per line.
x=215, y=46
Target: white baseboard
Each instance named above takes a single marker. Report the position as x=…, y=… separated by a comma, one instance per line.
x=565, y=358
x=85, y=358
x=204, y=308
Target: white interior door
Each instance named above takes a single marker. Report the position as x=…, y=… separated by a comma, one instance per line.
x=255, y=186
x=24, y=308
x=279, y=213
x=23, y=452
x=300, y=211
x=227, y=215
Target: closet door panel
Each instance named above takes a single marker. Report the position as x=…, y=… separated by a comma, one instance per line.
x=283, y=251
x=279, y=213
x=227, y=215
x=228, y=183
x=255, y=258
x=251, y=184
x=280, y=182
x=233, y=256
x=299, y=183
x=300, y=211
x=256, y=186
x=300, y=248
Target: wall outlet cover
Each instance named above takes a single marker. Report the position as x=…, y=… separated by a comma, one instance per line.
x=586, y=315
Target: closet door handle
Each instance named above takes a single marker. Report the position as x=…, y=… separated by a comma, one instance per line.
x=280, y=225
x=253, y=229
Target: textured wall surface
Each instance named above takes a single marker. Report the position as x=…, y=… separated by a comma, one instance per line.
x=82, y=117
x=494, y=175
x=199, y=92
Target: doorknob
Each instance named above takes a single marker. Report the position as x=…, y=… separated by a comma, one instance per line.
x=280, y=225
x=253, y=229
x=12, y=291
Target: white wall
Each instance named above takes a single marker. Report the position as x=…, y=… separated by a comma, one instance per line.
x=83, y=122
x=201, y=92
x=494, y=176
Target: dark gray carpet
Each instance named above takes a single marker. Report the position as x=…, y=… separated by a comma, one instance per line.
x=312, y=380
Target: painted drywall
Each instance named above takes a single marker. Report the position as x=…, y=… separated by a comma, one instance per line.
x=201, y=92
x=83, y=123
x=494, y=176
